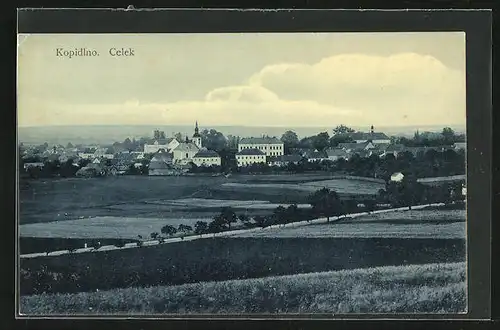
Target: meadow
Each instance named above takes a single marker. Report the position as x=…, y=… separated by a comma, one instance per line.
x=410, y=224
x=428, y=288
x=48, y=200
x=218, y=259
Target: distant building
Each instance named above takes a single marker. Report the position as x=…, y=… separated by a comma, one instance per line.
x=372, y=136
x=156, y=144
x=248, y=157
x=316, y=156
x=335, y=154
x=196, y=136
x=206, y=157
x=33, y=165
x=460, y=145
x=356, y=147
x=269, y=146
x=161, y=164
x=397, y=177
x=109, y=154
x=86, y=153
x=184, y=152
x=393, y=149
x=284, y=160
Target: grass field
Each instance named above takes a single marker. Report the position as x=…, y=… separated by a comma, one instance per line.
x=218, y=259
x=339, y=185
x=402, y=224
x=48, y=200
x=429, y=288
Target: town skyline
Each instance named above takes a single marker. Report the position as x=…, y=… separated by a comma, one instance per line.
x=271, y=80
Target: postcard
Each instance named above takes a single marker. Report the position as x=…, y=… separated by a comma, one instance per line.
x=242, y=174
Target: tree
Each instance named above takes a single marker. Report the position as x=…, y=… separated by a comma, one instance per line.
x=280, y=215
x=339, y=138
x=228, y=216
x=321, y=141
x=290, y=140
x=69, y=145
x=245, y=220
x=200, y=227
x=213, y=139
x=154, y=235
x=168, y=230
x=260, y=221
x=232, y=141
x=217, y=225
x=184, y=228
x=178, y=137
x=293, y=213
x=325, y=202
x=342, y=129
x=127, y=144
x=448, y=134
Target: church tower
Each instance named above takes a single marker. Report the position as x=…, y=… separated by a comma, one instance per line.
x=197, y=136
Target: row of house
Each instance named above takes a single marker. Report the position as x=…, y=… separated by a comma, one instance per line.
x=343, y=151
x=169, y=155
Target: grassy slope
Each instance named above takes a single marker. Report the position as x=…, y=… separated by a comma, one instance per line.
x=219, y=259
x=437, y=223
x=430, y=288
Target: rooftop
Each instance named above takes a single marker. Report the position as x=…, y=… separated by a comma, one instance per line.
x=260, y=140
x=186, y=146
x=368, y=136
x=251, y=152
x=206, y=153
x=160, y=141
x=336, y=152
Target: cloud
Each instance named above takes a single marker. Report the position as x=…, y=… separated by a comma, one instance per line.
x=352, y=89
x=416, y=87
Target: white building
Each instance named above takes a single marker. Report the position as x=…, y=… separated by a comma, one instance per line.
x=184, y=152
x=87, y=153
x=207, y=158
x=316, y=156
x=397, y=177
x=269, y=146
x=157, y=144
x=248, y=157
x=284, y=160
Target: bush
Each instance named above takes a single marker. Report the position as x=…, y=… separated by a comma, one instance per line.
x=200, y=227
x=168, y=230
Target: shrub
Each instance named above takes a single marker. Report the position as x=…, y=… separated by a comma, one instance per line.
x=168, y=230
x=200, y=227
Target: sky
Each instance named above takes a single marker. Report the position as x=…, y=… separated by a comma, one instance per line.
x=266, y=79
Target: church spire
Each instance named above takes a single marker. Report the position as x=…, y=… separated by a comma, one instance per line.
x=196, y=130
